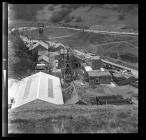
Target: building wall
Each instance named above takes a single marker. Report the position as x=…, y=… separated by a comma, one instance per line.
x=41, y=50
x=96, y=64
x=44, y=62
x=101, y=80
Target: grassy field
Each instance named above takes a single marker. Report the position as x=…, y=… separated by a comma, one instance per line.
x=50, y=33
x=42, y=117
x=111, y=46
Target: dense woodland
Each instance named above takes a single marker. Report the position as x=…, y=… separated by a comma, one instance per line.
x=20, y=60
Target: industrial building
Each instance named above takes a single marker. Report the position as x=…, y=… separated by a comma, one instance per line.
x=97, y=77
x=112, y=99
x=69, y=65
x=39, y=48
x=95, y=63
x=40, y=86
x=44, y=59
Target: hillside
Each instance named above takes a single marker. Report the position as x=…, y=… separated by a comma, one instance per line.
x=123, y=16
x=20, y=61
x=120, y=47
x=42, y=117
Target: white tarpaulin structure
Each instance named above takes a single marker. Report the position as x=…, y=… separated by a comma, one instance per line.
x=37, y=86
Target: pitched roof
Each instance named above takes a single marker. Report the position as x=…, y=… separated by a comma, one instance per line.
x=37, y=86
x=88, y=68
x=98, y=73
x=59, y=45
x=50, y=43
x=43, y=57
x=43, y=44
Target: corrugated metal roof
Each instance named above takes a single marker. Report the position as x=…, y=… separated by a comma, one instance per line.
x=37, y=86
x=43, y=44
x=88, y=68
x=98, y=73
x=44, y=57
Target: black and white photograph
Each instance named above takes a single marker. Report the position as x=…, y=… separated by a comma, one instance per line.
x=72, y=68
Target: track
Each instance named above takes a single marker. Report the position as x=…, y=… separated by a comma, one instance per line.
x=98, y=31
x=60, y=36
x=115, y=42
x=88, y=30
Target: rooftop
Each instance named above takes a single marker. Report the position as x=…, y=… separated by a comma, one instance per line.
x=43, y=44
x=44, y=57
x=98, y=73
x=88, y=68
x=37, y=86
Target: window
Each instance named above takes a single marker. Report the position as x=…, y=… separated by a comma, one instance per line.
x=97, y=80
x=12, y=100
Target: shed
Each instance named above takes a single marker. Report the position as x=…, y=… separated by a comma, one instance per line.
x=99, y=77
x=40, y=86
x=127, y=81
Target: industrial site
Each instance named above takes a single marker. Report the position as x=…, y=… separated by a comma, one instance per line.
x=62, y=84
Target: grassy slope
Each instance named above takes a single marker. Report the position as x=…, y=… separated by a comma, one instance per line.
x=100, y=44
x=105, y=45
x=101, y=14
x=75, y=119
x=47, y=118
x=20, y=61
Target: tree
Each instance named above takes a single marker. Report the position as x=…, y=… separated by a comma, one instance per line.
x=121, y=17
x=26, y=60
x=68, y=18
x=59, y=15
x=79, y=19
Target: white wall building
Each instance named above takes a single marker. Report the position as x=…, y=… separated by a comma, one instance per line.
x=40, y=86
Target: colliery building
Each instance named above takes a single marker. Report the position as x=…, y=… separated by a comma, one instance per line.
x=97, y=77
x=95, y=63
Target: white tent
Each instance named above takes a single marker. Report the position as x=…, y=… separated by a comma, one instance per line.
x=37, y=86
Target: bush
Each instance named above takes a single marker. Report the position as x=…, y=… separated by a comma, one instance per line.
x=51, y=8
x=26, y=62
x=79, y=19
x=121, y=17
x=68, y=18
x=26, y=11
x=58, y=16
